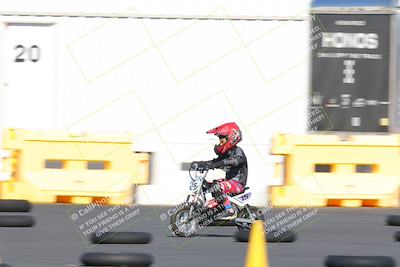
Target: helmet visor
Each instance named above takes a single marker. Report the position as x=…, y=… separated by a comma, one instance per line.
x=222, y=139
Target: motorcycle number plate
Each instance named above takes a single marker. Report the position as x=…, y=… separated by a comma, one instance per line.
x=245, y=197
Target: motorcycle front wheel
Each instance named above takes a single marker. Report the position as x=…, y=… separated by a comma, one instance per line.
x=182, y=224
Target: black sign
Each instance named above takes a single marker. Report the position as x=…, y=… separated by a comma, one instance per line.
x=350, y=73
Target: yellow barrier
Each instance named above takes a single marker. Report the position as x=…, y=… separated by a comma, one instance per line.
x=329, y=170
x=8, y=164
x=58, y=167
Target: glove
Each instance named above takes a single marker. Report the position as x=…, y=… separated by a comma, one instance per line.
x=206, y=165
x=201, y=165
x=198, y=164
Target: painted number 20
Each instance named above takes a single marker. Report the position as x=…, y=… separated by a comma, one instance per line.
x=33, y=53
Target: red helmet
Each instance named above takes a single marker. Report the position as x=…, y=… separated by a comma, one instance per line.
x=230, y=131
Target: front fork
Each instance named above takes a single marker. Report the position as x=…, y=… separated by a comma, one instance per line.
x=193, y=200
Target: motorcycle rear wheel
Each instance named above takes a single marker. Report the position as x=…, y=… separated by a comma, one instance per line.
x=244, y=214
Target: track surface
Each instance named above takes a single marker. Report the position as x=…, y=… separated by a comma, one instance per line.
x=55, y=240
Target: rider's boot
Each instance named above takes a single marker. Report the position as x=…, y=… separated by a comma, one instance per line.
x=229, y=211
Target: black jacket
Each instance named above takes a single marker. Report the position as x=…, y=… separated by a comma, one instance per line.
x=235, y=164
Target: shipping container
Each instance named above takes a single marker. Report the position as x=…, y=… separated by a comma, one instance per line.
x=167, y=72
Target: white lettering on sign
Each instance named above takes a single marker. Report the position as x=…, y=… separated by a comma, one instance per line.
x=349, y=71
x=345, y=100
x=359, y=103
x=316, y=99
x=349, y=55
x=351, y=22
x=350, y=40
x=355, y=121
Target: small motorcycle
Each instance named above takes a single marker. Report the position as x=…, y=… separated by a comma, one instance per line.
x=189, y=217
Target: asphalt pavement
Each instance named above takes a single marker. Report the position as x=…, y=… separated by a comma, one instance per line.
x=61, y=232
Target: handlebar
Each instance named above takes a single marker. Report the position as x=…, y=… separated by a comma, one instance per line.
x=197, y=167
x=199, y=171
